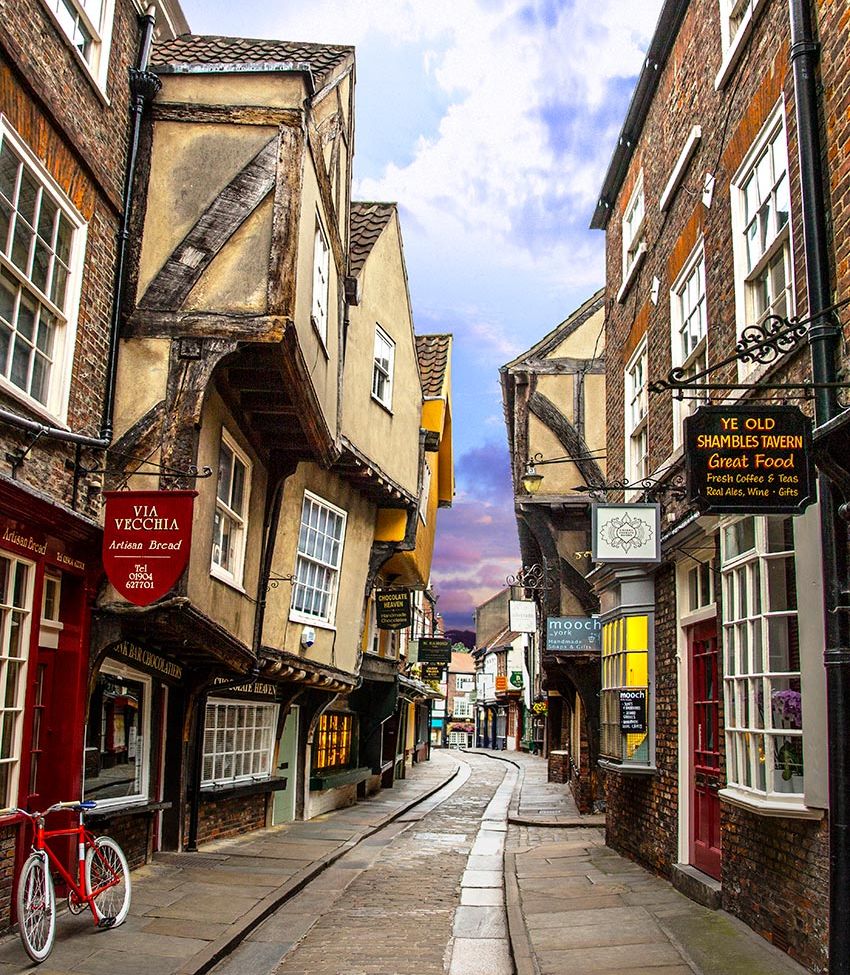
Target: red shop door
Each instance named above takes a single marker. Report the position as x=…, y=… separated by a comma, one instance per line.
x=705, y=748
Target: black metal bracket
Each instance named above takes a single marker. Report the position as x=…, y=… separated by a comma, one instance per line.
x=674, y=487
x=763, y=344
x=275, y=581
x=17, y=457
x=160, y=470
x=528, y=577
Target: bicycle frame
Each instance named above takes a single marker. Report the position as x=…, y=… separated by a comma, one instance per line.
x=85, y=840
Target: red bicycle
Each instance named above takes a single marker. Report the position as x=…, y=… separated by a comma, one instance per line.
x=102, y=884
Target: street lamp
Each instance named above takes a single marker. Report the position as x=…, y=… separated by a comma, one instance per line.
x=532, y=479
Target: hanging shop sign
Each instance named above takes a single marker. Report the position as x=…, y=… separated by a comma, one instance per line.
x=393, y=609
x=433, y=650
x=501, y=683
x=573, y=634
x=522, y=615
x=751, y=460
x=147, y=537
x=633, y=711
x=626, y=533
x=432, y=672
x=516, y=679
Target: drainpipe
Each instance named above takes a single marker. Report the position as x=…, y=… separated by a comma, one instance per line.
x=824, y=346
x=143, y=86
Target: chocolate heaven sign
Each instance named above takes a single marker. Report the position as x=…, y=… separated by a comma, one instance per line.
x=147, y=536
x=752, y=460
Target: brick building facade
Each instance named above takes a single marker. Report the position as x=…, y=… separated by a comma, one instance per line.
x=725, y=792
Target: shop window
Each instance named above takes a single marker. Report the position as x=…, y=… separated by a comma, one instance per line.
x=50, y=627
x=332, y=749
x=459, y=739
x=16, y=593
x=382, y=368
x=689, y=328
x=637, y=420
x=231, y=512
x=239, y=740
x=761, y=226
x=761, y=654
x=701, y=586
x=41, y=238
x=317, y=565
x=87, y=24
x=461, y=708
x=625, y=667
x=321, y=266
x=117, y=736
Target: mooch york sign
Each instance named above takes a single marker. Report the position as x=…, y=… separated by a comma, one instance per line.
x=749, y=460
x=393, y=609
x=573, y=634
x=147, y=537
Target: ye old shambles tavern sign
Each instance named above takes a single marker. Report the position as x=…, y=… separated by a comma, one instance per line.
x=749, y=460
x=147, y=536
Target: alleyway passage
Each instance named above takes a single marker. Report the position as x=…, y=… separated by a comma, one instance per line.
x=474, y=865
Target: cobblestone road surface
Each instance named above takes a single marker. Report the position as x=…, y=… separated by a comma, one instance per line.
x=403, y=901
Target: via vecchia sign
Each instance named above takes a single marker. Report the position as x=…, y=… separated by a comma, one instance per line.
x=749, y=459
x=147, y=536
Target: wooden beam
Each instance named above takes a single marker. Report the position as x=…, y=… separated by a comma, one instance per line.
x=227, y=114
x=244, y=327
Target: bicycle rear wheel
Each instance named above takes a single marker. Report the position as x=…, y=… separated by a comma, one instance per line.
x=107, y=872
x=36, y=907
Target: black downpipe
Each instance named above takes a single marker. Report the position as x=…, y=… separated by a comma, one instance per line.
x=824, y=345
x=143, y=86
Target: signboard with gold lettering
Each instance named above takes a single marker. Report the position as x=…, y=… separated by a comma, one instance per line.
x=147, y=536
x=393, y=609
x=749, y=459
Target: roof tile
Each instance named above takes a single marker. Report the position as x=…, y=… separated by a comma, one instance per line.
x=433, y=354
x=189, y=50
x=368, y=221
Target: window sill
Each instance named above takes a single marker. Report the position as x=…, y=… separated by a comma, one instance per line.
x=736, y=48
x=237, y=790
x=622, y=768
x=221, y=576
x=382, y=404
x=296, y=617
x=129, y=808
x=762, y=806
x=679, y=169
x=333, y=780
x=629, y=279
x=42, y=413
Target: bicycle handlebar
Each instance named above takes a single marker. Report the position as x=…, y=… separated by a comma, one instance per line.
x=76, y=805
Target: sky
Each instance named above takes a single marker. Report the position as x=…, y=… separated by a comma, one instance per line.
x=491, y=123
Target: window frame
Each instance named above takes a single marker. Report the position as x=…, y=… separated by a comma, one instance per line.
x=55, y=406
x=115, y=668
x=696, y=360
x=634, y=244
x=97, y=66
x=633, y=394
x=781, y=241
x=750, y=566
x=378, y=371
x=734, y=43
x=224, y=509
x=347, y=729
x=320, y=302
x=300, y=616
x=270, y=709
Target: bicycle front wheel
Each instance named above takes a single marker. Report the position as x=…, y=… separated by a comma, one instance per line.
x=108, y=880
x=36, y=907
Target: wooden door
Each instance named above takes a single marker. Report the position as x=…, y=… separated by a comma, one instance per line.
x=705, y=747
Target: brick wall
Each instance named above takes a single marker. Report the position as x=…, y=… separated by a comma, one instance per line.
x=133, y=833
x=221, y=818
x=774, y=870
x=8, y=837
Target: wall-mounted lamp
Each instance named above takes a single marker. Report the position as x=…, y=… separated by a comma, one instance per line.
x=532, y=479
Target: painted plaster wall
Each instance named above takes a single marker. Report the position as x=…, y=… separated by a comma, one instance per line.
x=337, y=645
x=390, y=437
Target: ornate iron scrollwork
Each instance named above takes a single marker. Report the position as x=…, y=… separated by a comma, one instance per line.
x=528, y=577
x=674, y=487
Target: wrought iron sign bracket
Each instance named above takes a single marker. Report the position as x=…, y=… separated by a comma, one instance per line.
x=651, y=487
x=161, y=470
x=275, y=581
x=528, y=577
x=759, y=344
x=17, y=457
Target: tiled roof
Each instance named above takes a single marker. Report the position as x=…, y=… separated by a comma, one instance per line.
x=367, y=224
x=433, y=354
x=193, y=50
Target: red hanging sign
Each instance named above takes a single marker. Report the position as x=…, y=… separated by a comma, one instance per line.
x=147, y=536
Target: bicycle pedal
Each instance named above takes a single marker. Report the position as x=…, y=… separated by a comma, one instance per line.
x=106, y=922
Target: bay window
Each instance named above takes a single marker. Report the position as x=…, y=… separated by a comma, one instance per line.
x=239, y=740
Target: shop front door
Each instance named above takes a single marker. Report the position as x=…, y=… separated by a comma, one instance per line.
x=283, y=808
x=705, y=748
